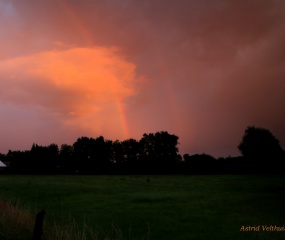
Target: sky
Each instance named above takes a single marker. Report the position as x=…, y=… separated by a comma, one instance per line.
x=200, y=69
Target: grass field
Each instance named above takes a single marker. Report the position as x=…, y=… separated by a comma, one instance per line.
x=157, y=207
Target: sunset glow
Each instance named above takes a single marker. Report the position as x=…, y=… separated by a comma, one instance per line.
x=203, y=70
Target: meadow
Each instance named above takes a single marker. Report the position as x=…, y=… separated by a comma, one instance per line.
x=155, y=207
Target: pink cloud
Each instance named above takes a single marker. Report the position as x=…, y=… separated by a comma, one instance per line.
x=79, y=87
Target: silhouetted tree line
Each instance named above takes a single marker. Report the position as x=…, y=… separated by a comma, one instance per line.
x=154, y=153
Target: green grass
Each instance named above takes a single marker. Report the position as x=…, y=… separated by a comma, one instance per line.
x=157, y=207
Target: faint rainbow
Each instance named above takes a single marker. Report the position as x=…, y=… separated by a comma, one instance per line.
x=75, y=18
x=123, y=118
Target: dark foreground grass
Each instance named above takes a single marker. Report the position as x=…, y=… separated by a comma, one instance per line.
x=157, y=207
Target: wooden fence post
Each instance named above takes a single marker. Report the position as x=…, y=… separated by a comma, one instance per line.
x=38, y=229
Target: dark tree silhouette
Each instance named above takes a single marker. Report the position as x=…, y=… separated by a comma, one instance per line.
x=259, y=143
x=44, y=159
x=92, y=155
x=154, y=153
x=159, y=152
x=101, y=154
x=117, y=154
x=66, y=159
x=19, y=160
x=262, y=151
x=131, y=149
x=83, y=153
x=126, y=155
x=200, y=164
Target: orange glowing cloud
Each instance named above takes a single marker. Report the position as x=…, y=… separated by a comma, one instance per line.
x=85, y=87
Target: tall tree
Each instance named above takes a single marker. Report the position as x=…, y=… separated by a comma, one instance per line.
x=82, y=153
x=66, y=158
x=44, y=158
x=159, y=151
x=92, y=155
x=259, y=143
